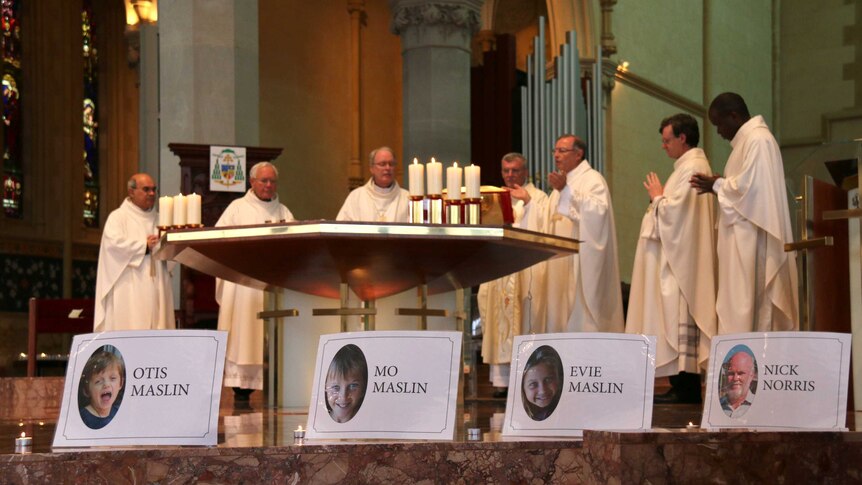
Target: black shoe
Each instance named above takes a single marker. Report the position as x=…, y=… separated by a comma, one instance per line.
x=674, y=397
x=502, y=393
x=241, y=395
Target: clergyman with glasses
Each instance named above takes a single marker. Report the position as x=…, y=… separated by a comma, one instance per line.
x=133, y=292
x=381, y=199
x=239, y=305
x=514, y=304
x=584, y=289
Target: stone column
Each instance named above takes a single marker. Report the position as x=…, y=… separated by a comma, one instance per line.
x=208, y=77
x=356, y=8
x=148, y=100
x=435, y=45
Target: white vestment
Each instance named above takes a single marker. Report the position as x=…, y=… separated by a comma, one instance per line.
x=133, y=292
x=673, y=279
x=514, y=304
x=757, y=280
x=239, y=305
x=371, y=203
x=584, y=290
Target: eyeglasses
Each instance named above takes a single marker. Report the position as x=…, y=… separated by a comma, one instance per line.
x=385, y=164
x=507, y=171
x=563, y=150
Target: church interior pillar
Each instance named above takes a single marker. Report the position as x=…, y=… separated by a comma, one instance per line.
x=435, y=47
x=208, y=77
x=356, y=8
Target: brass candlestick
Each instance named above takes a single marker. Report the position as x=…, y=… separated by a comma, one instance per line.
x=418, y=214
x=435, y=209
x=473, y=211
x=454, y=209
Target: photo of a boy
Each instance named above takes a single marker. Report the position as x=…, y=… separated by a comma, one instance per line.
x=346, y=382
x=542, y=383
x=100, y=392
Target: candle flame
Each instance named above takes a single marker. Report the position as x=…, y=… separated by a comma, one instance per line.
x=415, y=161
x=23, y=434
x=455, y=164
x=299, y=428
x=690, y=423
x=432, y=160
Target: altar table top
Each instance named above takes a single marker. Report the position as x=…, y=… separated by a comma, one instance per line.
x=375, y=260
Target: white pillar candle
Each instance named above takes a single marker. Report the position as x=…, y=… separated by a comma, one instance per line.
x=435, y=177
x=166, y=211
x=193, y=209
x=417, y=178
x=179, y=210
x=472, y=177
x=453, y=181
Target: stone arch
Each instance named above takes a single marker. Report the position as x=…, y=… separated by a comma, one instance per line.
x=562, y=16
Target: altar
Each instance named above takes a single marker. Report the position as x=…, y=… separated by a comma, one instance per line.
x=405, y=276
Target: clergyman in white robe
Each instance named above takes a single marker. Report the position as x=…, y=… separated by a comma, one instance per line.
x=133, y=291
x=584, y=292
x=757, y=279
x=673, y=280
x=371, y=203
x=239, y=305
x=514, y=304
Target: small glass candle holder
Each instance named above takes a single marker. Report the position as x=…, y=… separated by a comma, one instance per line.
x=474, y=434
x=24, y=444
x=299, y=434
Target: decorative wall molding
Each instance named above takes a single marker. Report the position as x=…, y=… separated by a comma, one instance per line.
x=652, y=89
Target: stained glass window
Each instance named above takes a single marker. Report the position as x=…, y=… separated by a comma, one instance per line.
x=13, y=173
x=90, y=123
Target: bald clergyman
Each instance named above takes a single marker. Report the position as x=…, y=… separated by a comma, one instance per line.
x=381, y=199
x=132, y=291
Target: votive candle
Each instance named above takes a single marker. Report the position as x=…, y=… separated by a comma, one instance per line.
x=472, y=177
x=435, y=177
x=453, y=181
x=166, y=211
x=193, y=209
x=417, y=178
x=179, y=210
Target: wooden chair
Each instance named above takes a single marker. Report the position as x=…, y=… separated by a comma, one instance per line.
x=52, y=316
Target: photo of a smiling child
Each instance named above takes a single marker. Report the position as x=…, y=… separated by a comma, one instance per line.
x=101, y=388
x=346, y=381
x=542, y=383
